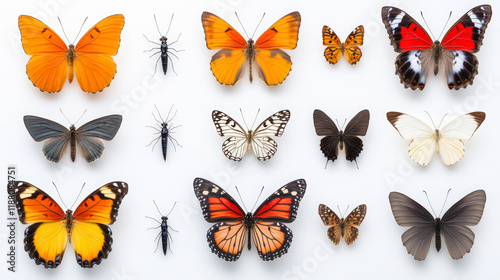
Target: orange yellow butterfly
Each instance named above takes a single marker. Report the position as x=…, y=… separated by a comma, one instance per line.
x=52, y=62
x=336, y=48
x=52, y=228
x=273, y=64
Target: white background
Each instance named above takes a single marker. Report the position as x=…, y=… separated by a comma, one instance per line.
x=340, y=90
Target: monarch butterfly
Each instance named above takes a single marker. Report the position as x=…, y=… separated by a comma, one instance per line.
x=227, y=236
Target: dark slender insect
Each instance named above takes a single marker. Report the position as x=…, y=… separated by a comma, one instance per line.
x=164, y=234
x=165, y=132
x=164, y=49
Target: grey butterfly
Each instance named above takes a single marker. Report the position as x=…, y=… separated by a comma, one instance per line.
x=87, y=137
x=453, y=225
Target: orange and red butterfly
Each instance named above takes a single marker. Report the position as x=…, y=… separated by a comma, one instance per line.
x=46, y=239
x=273, y=64
x=336, y=48
x=52, y=62
x=228, y=235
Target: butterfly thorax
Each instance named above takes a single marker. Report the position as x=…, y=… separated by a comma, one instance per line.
x=68, y=222
x=249, y=139
x=437, y=51
x=70, y=57
x=250, y=51
x=249, y=222
x=341, y=140
x=72, y=141
x=437, y=231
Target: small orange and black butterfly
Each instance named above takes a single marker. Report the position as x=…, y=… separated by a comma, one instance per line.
x=341, y=227
x=52, y=228
x=336, y=48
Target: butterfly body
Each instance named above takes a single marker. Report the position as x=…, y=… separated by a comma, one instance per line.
x=88, y=137
x=419, y=54
x=273, y=64
x=227, y=237
x=453, y=225
x=52, y=62
x=164, y=54
x=164, y=138
x=165, y=235
x=52, y=228
x=258, y=140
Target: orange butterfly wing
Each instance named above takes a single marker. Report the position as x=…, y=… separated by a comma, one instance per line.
x=46, y=239
x=48, y=67
x=352, y=51
x=334, y=50
x=226, y=64
x=94, y=67
x=90, y=236
x=273, y=64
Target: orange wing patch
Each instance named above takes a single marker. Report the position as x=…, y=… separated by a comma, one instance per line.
x=46, y=239
x=273, y=64
x=336, y=48
x=52, y=61
x=340, y=227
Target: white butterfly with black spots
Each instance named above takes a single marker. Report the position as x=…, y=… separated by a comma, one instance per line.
x=258, y=140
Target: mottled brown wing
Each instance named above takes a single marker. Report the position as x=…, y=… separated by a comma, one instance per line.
x=355, y=218
x=329, y=218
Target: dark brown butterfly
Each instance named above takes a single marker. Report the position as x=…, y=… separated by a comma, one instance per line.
x=453, y=225
x=341, y=227
x=335, y=139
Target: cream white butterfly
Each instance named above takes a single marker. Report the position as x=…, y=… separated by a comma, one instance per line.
x=241, y=141
x=425, y=141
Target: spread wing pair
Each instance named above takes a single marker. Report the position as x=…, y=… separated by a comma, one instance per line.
x=425, y=141
x=336, y=48
x=86, y=228
x=341, y=227
x=241, y=141
x=228, y=235
x=87, y=137
x=273, y=64
x=419, y=54
x=334, y=138
x=52, y=62
x=453, y=225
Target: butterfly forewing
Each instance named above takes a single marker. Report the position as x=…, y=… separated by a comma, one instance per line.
x=334, y=50
x=283, y=204
x=352, y=51
x=324, y=125
x=358, y=125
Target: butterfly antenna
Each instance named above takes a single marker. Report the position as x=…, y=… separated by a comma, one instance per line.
x=81, y=116
x=158, y=208
x=172, y=209
x=257, y=198
x=342, y=128
x=435, y=127
x=170, y=24
x=243, y=117
x=258, y=25
x=337, y=122
x=159, y=114
x=442, y=119
x=444, y=202
x=422, y=14
x=168, y=115
x=157, y=28
x=60, y=198
x=347, y=208
x=445, y=25
x=64, y=115
x=77, y=196
x=429, y=203
x=241, y=24
x=79, y=30
x=62, y=27
x=242, y=202
x=256, y=115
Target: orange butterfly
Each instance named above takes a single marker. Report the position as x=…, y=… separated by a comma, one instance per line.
x=46, y=239
x=52, y=61
x=350, y=48
x=341, y=227
x=273, y=64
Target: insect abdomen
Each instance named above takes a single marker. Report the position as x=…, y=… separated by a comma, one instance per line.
x=164, y=56
x=164, y=138
x=437, y=230
x=164, y=236
x=72, y=142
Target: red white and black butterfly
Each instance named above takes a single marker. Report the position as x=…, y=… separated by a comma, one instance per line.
x=232, y=226
x=258, y=140
x=453, y=225
x=335, y=139
x=419, y=54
